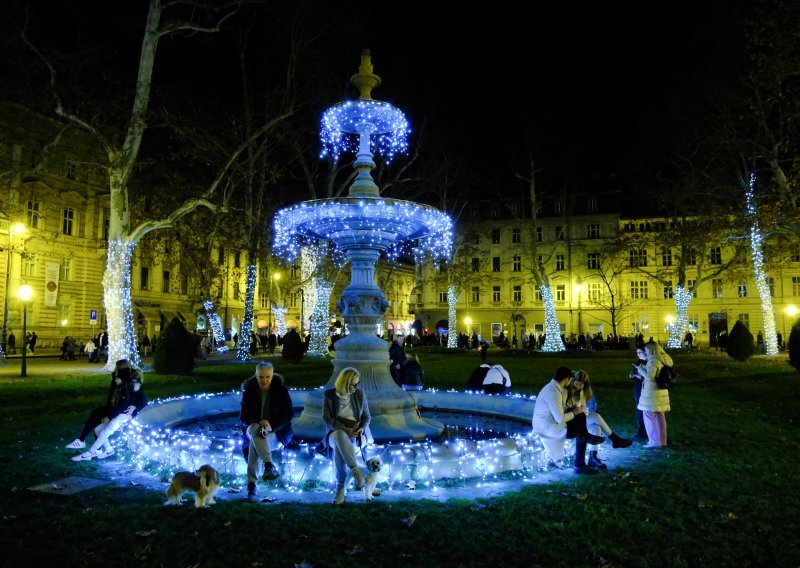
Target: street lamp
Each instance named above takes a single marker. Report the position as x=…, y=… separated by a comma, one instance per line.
x=25, y=293
x=19, y=228
x=467, y=322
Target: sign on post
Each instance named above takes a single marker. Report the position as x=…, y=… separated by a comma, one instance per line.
x=92, y=317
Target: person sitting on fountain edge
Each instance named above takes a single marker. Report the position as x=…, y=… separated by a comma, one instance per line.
x=553, y=423
x=397, y=354
x=266, y=421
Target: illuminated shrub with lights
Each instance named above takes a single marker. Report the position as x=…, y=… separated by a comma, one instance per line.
x=740, y=342
x=175, y=350
x=794, y=345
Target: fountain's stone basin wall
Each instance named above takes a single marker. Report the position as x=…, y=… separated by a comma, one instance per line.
x=156, y=437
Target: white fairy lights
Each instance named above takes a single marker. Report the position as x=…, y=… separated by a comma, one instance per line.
x=552, y=329
x=216, y=326
x=757, y=245
x=343, y=124
x=683, y=297
x=117, y=303
x=247, y=322
x=318, y=321
x=452, y=332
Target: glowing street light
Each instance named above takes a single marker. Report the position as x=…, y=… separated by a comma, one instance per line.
x=25, y=293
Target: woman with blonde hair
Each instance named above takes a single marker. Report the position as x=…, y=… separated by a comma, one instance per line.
x=654, y=402
x=580, y=394
x=346, y=415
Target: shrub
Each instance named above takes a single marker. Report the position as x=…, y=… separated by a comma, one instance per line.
x=794, y=345
x=175, y=350
x=740, y=342
x=293, y=347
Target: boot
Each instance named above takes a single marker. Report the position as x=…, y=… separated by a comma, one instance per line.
x=359, y=478
x=617, y=442
x=594, y=461
x=580, y=458
x=591, y=438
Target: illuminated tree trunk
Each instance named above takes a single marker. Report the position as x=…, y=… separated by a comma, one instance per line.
x=552, y=330
x=756, y=243
x=683, y=298
x=247, y=321
x=318, y=320
x=216, y=326
x=280, y=319
x=117, y=300
x=452, y=321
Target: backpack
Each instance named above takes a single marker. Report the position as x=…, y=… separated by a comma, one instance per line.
x=666, y=378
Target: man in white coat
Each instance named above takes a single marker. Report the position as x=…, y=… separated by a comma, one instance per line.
x=553, y=424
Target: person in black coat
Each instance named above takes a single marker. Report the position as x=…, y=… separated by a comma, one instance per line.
x=397, y=354
x=413, y=375
x=266, y=421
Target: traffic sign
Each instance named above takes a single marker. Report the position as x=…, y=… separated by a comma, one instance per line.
x=92, y=317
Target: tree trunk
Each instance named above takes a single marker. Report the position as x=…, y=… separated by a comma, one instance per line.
x=552, y=329
x=247, y=323
x=117, y=301
x=683, y=298
x=280, y=319
x=452, y=321
x=318, y=320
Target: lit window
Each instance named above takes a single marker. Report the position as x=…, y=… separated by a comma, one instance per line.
x=476, y=294
x=66, y=269
x=67, y=220
x=561, y=292
x=560, y=262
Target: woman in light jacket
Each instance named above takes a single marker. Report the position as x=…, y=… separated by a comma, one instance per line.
x=654, y=402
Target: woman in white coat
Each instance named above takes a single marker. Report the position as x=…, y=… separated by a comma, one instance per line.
x=654, y=402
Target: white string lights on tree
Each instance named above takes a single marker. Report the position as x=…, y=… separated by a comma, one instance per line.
x=683, y=297
x=216, y=326
x=341, y=122
x=452, y=331
x=552, y=329
x=280, y=319
x=117, y=302
x=318, y=321
x=757, y=245
x=245, y=335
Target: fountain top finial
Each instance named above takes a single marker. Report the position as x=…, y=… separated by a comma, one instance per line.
x=365, y=80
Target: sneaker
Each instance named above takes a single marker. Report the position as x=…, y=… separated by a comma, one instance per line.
x=103, y=454
x=338, y=499
x=85, y=456
x=76, y=444
x=251, y=489
x=270, y=472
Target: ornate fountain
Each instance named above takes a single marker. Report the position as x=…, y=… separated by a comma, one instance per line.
x=363, y=225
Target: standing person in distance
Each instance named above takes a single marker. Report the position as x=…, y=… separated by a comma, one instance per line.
x=638, y=381
x=654, y=402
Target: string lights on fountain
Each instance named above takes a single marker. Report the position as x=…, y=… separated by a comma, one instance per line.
x=756, y=243
x=216, y=326
x=341, y=122
x=683, y=298
x=247, y=321
x=117, y=297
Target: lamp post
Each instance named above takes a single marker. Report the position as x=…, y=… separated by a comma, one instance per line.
x=19, y=228
x=25, y=293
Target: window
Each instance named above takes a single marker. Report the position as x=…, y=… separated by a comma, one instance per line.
x=591, y=204
x=666, y=256
x=517, y=294
x=716, y=288
x=221, y=255
x=715, y=255
x=67, y=220
x=29, y=262
x=235, y=290
x=538, y=234
x=517, y=266
x=559, y=233
x=538, y=294
x=33, y=214
x=264, y=297
x=559, y=262
x=495, y=236
x=638, y=257
x=691, y=257
x=495, y=293
x=66, y=269
x=742, y=289
x=694, y=323
x=476, y=264
x=495, y=264
x=795, y=286
x=639, y=289
x=184, y=284
x=292, y=300
x=72, y=170
x=593, y=291
x=593, y=261
x=745, y=319
x=294, y=271
x=144, y=278
x=593, y=231
x=516, y=236
x=62, y=314
x=442, y=296
x=561, y=292
x=690, y=285
x=165, y=281
x=237, y=259
x=476, y=294
x=668, y=293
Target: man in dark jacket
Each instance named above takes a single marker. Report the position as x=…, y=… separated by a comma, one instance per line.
x=266, y=418
x=397, y=353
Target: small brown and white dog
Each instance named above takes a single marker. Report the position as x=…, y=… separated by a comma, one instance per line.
x=203, y=483
x=374, y=465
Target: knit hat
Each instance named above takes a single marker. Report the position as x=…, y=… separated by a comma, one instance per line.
x=563, y=373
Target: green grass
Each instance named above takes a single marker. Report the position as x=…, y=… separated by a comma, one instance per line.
x=722, y=495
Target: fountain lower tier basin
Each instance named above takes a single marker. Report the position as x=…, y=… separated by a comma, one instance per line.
x=488, y=437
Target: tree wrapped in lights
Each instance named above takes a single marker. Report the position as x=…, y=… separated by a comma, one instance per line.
x=452, y=322
x=757, y=246
x=280, y=319
x=216, y=326
x=552, y=329
x=247, y=322
x=683, y=298
x=117, y=303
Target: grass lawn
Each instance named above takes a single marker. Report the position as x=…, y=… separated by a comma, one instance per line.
x=721, y=495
